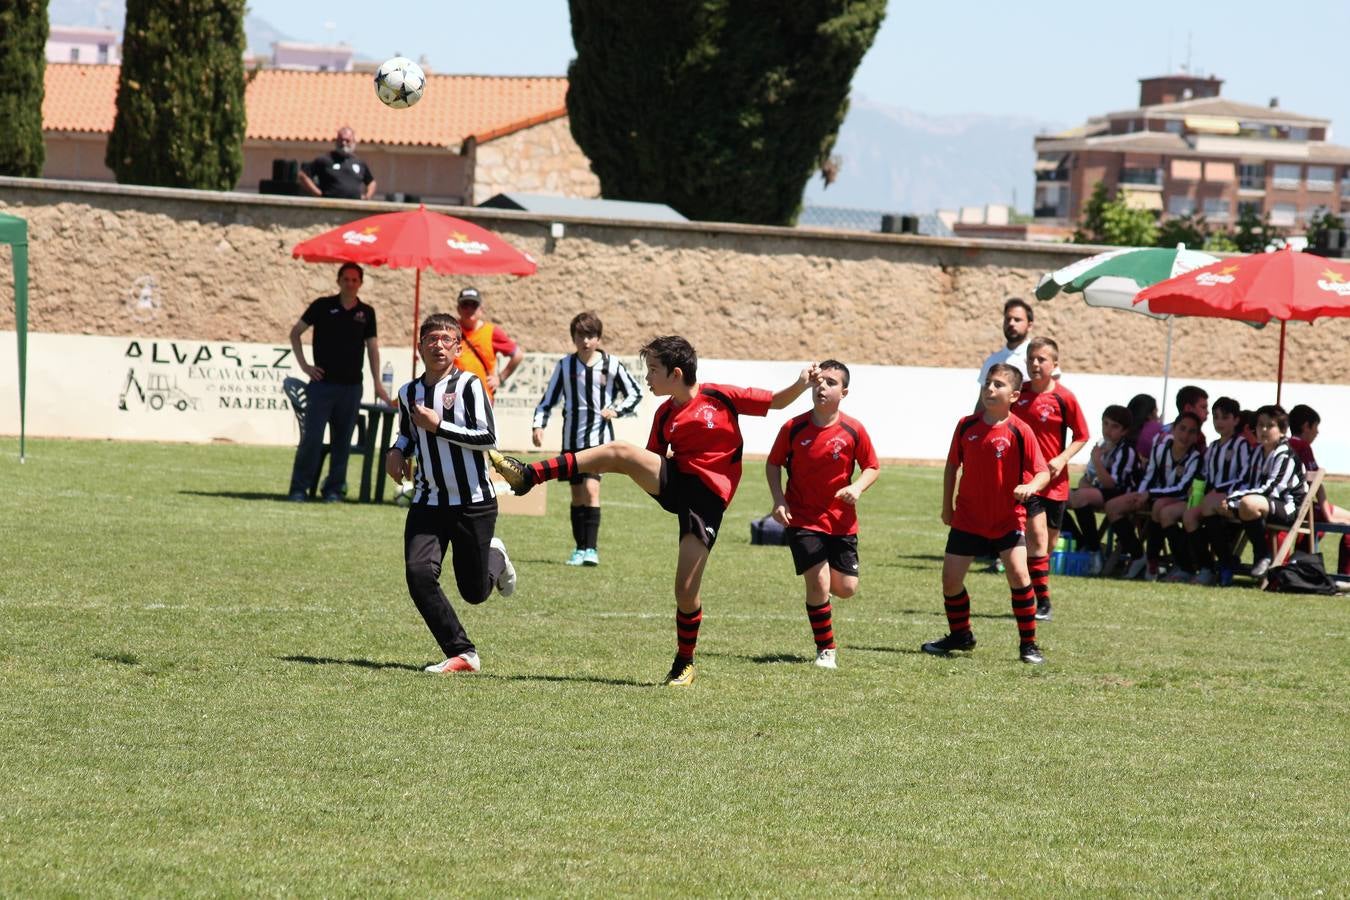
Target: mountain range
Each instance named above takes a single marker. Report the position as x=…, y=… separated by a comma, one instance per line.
x=893, y=159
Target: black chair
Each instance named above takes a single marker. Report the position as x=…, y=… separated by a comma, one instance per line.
x=297, y=393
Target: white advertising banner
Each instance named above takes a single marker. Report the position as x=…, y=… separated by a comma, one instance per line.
x=201, y=391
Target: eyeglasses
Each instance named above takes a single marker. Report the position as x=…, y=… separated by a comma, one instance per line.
x=447, y=340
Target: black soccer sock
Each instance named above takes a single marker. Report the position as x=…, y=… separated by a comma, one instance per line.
x=1200, y=549
x=1220, y=535
x=1153, y=535
x=1181, y=548
x=1127, y=538
x=579, y=526
x=1256, y=535
x=1086, y=517
x=591, y=527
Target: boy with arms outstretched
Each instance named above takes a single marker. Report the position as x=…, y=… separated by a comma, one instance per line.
x=1052, y=411
x=819, y=449
x=1001, y=466
x=594, y=389
x=691, y=466
x=445, y=423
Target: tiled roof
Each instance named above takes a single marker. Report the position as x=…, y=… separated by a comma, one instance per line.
x=1218, y=106
x=290, y=105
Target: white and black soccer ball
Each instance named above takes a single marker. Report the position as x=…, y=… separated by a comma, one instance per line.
x=399, y=82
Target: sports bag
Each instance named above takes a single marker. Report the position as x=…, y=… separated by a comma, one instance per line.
x=1303, y=574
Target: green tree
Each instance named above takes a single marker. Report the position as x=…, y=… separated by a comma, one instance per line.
x=1221, y=242
x=180, y=96
x=721, y=109
x=1253, y=232
x=23, y=62
x=1322, y=222
x=1092, y=225
x=1126, y=227
x=1190, y=229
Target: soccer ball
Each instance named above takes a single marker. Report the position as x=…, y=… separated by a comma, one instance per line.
x=399, y=82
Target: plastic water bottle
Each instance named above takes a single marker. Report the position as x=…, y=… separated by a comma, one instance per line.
x=1197, y=494
x=387, y=379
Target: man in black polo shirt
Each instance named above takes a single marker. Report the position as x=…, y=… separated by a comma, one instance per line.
x=342, y=324
x=339, y=173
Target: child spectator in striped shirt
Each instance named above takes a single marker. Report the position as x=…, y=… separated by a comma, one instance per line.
x=1111, y=471
x=594, y=389
x=1162, y=494
x=1274, y=489
x=1224, y=469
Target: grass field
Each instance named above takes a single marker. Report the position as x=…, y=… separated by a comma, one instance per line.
x=206, y=690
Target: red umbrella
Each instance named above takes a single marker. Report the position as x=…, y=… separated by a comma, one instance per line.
x=421, y=240
x=1286, y=285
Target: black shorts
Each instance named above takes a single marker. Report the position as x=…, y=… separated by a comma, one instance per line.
x=1112, y=493
x=963, y=543
x=811, y=548
x=700, y=510
x=583, y=477
x=1053, y=509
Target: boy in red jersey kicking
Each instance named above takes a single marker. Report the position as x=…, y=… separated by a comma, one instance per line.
x=819, y=450
x=1052, y=411
x=1001, y=466
x=691, y=466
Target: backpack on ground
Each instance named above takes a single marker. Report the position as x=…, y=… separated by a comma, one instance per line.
x=1303, y=574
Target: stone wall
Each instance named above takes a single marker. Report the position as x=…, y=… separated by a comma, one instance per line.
x=543, y=159
x=114, y=260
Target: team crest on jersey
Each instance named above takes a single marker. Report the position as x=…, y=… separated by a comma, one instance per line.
x=448, y=402
x=360, y=316
x=836, y=446
x=707, y=413
x=1045, y=414
x=1000, y=445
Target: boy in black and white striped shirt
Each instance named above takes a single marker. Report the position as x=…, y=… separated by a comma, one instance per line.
x=1275, y=487
x=1224, y=469
x=594, y=389
x=446, y=425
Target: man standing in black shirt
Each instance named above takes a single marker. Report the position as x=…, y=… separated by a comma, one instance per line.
x=339, y=173
x=342, y=324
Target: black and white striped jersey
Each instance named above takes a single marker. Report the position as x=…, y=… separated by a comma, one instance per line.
x=1167, y=476
x=452, y=467
x=1121, y=463
x=1278, y=476
x=1227, y=464
x=585, y=391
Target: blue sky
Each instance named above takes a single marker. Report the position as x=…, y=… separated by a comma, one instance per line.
x=1051, y=60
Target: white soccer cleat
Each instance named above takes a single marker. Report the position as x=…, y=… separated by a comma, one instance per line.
x=465, y=662
x=506, y=582
x=826, y=659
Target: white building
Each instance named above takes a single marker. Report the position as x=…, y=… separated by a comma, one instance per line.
x=73, y=44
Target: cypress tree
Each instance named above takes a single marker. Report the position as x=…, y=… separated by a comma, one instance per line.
x=722, y=109
x=180, y=97
x=23, y=64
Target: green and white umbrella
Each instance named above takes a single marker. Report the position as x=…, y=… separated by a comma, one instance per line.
x=1112, y=279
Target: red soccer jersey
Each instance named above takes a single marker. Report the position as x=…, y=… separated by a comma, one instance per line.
x=705, y=434
x=1052, y=416
x=994, y=459
x=819, y=461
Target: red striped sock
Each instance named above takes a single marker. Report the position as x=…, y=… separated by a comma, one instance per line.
x=1024, y=611
x=686, y=632
x=1039, y=566
x=821, y=625
x=958, y=612
x=559, y=467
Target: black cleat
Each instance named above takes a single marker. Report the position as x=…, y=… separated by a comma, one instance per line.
x=949, y=644
x=1043, y=611
x=1030, y=653
x=515, y=473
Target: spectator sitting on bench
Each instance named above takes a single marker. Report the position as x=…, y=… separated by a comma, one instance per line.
x=1275, y=487
x=1144, y=427
x=1111, y=471
x=1190, y=399
x=1162, y=495
x=1304, y=425
x=1247, y=427
x=1225, y=469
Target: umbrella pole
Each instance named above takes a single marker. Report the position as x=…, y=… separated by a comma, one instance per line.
x=1167, y=369
x=417, y=305
x=1279, y=372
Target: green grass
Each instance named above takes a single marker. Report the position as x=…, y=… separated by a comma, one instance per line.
x=206, y=690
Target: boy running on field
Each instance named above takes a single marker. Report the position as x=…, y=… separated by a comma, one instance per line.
x=1052, y=411
x=1001, y=466
x=819, y=449
x=445, y=423
x=594, y=389
x=691, y=466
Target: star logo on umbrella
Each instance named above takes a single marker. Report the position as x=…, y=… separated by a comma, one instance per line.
x=1222, y=276
x=1331, y=275
x=1334, y=282
x=458, y=240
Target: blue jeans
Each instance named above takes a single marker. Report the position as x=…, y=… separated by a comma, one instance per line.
x=332, y=407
